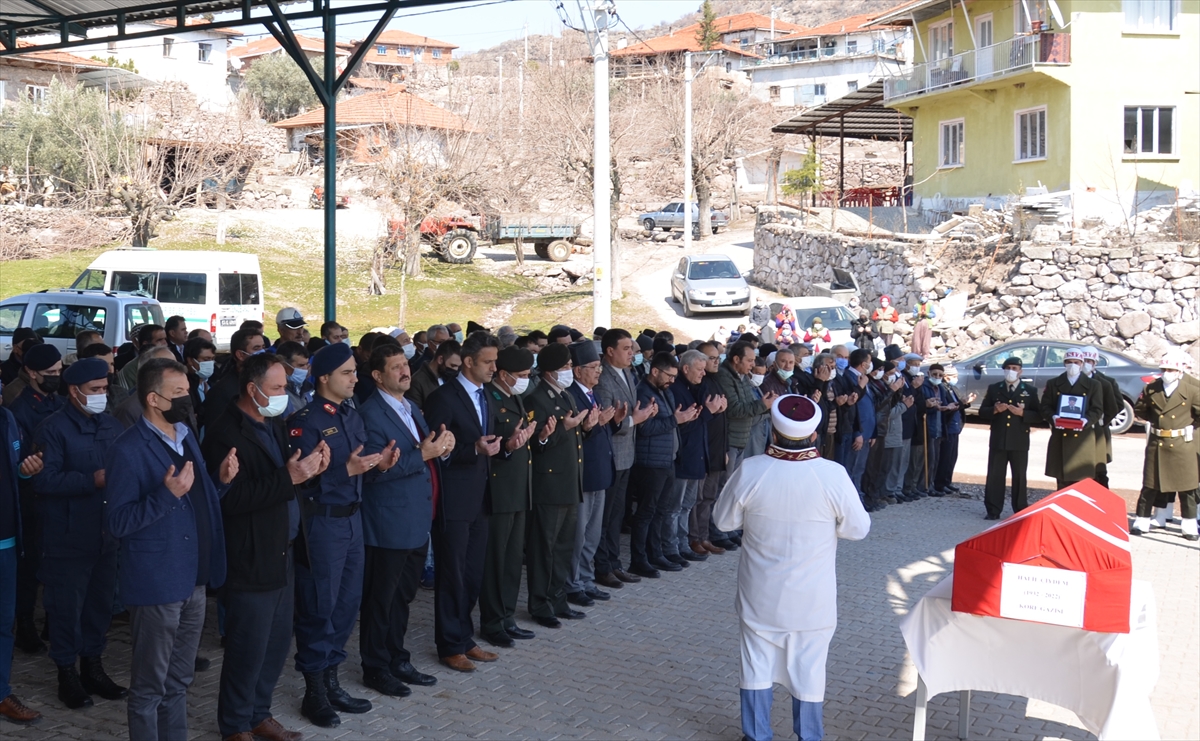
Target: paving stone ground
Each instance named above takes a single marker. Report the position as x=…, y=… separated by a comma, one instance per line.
x=660, y=660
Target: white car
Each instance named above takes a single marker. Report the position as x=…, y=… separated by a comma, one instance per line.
x=835, y=317
x=704, y=283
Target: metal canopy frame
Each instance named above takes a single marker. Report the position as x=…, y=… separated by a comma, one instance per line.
x=858, y=115
x=69, y=22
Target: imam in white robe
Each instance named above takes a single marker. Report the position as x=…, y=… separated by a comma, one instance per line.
x=791, y=512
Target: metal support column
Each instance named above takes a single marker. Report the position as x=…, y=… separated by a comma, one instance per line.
x=841, y=158
x=329, y=27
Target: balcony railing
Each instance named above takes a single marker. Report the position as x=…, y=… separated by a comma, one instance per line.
x=1012, y=55
x=810, y=55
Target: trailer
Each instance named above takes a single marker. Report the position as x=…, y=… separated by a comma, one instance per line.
x=455, y=238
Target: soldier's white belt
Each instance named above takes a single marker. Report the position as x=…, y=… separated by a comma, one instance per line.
x=1186, y=432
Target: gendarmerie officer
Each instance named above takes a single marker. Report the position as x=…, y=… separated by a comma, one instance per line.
x=79, y=557
x=1072, y=453
x=512, y=496
x=36, y=401
x=329, y=570
x=1170, y=405
x=1011, y=406
x=1112, y=406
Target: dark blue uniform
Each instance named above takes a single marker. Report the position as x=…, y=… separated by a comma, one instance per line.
x=10, y=539
x=30, y=409
x=79, y=557
x=329, y=572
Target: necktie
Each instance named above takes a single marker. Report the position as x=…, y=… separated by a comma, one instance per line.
x=591, y=399
x=482, y=411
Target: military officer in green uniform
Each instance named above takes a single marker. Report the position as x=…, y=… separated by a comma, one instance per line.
x=557, y=487
x=1170, y=405
x=1072, y=453
x=1112, y=406
x=512, y=496
x=1011, y=406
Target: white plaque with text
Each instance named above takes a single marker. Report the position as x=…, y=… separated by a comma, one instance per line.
x=1043, y=595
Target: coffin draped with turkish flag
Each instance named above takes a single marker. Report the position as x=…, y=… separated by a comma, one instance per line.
x=1065, y=561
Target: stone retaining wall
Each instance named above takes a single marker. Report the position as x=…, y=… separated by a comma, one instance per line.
x=1137, y=297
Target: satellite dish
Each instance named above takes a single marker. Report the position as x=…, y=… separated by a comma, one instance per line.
x=235, y=62
x=1057, y=13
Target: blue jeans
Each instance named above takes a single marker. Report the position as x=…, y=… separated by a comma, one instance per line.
x=8, y=614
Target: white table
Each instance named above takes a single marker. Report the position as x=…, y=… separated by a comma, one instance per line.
x=1104, y=678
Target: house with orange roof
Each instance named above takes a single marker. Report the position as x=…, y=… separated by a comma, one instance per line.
x=739, y=35
x=374, y=125
x=196, y=57
x=394, y=53
x=28, y=76
x=242, y=57
x=824, y=63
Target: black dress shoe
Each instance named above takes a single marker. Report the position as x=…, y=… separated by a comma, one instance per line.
x=726, y=543
x=1190, y=536
x=500, y=640
x=202, y=664
x=663, y=564
x=384, y=683
x=936, y=493
x=598, y=594
x=626, y=577
x=609, y=580
x=649, y=572
x=736, y=540
x=569, y=614
x=992, y=517
x=520, y=634
x=579, y=598
x=692, y=556
x=548, y=622
x=408, y=674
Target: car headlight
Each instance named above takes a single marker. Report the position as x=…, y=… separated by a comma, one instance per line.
x=696, y=294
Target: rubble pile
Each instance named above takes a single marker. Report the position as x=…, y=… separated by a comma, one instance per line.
x=36, y=232
x=556, y=277
x=173, y=107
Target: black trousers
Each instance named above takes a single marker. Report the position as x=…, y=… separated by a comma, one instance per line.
x=391, y=578
x=608, y=553
x=551, y=548
x=502, y=572
x=1151, y=498
x=999, y=461
x=652, y=485
x=947, y=459
x=78, y=594
x=459, y=549
x=258, y=634
x=30, y=561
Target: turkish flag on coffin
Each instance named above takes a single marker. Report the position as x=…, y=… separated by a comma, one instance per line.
x=1065, y=560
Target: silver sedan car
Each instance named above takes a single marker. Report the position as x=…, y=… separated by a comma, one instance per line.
x=670, y=217
x=709, y=283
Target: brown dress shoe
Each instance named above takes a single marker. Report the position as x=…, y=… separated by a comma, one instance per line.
x=609, y=580
x=478, y=654
x=699, y=549
x=11, y=709
x=272, y=730
x=243, y=736
x=713, y=549
x=459, y=663
x=627, y=577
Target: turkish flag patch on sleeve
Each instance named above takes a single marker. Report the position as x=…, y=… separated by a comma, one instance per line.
x=297, y=432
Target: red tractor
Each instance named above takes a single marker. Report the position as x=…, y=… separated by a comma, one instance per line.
x=454, y=238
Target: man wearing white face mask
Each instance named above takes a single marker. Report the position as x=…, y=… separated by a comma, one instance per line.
x=261, y=518
x=1072, y=453
x=79, y=564
x=1011, y=406
x=1170, y=405
x=1112, y=405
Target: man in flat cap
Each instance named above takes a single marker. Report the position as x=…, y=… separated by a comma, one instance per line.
x=557, y=486
x=792, y=506
x=512, y=496
x=79, y=565
x=36, y=402
x=329, y=571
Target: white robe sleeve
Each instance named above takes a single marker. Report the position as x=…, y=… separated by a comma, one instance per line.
x=853, y=522
x=727, y=515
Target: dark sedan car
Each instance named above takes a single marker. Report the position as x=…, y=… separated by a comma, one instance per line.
x=1043, y=360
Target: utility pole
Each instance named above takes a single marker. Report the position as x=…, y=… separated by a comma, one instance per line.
x=500, y=70
x=526, y=42
x=521, y=98
x=601, y=172
x=687, y=153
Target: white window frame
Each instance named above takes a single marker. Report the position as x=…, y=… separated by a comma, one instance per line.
x=851, y=86
x=437, y=53
x=381, y=50
x=1155, y=154
x=1017, y=158
x=1140, y=26
x=935, y=48
x=204, y=52
x=404, y=51
x=851, y=47
x=168, y=47
x=961, y=160
x=978, y=20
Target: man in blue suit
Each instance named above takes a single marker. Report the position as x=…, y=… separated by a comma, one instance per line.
x=166, y=511
x=397, y=511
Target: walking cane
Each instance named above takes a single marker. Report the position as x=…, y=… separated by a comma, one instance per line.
x=925, y=429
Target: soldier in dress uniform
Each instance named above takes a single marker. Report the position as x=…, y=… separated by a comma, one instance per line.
x=1011, y=406
x=1072, y=453
x=329, y=570
x=1171, y=407
x=1112, y=406
x=79, y=564
x=37, y=400
x=557, y=487
x=512, y=496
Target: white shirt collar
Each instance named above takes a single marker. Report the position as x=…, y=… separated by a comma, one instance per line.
x=469, y=385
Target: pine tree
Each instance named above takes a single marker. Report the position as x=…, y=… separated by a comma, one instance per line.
x=707, y=34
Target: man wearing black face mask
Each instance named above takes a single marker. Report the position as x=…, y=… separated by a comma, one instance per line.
x=444, y=367
x=243, y=344
x=37, y=401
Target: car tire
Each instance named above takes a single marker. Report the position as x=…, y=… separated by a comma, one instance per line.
x=1123, y=422
x=687, y=308
x=648, y=224
x=715, y=229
